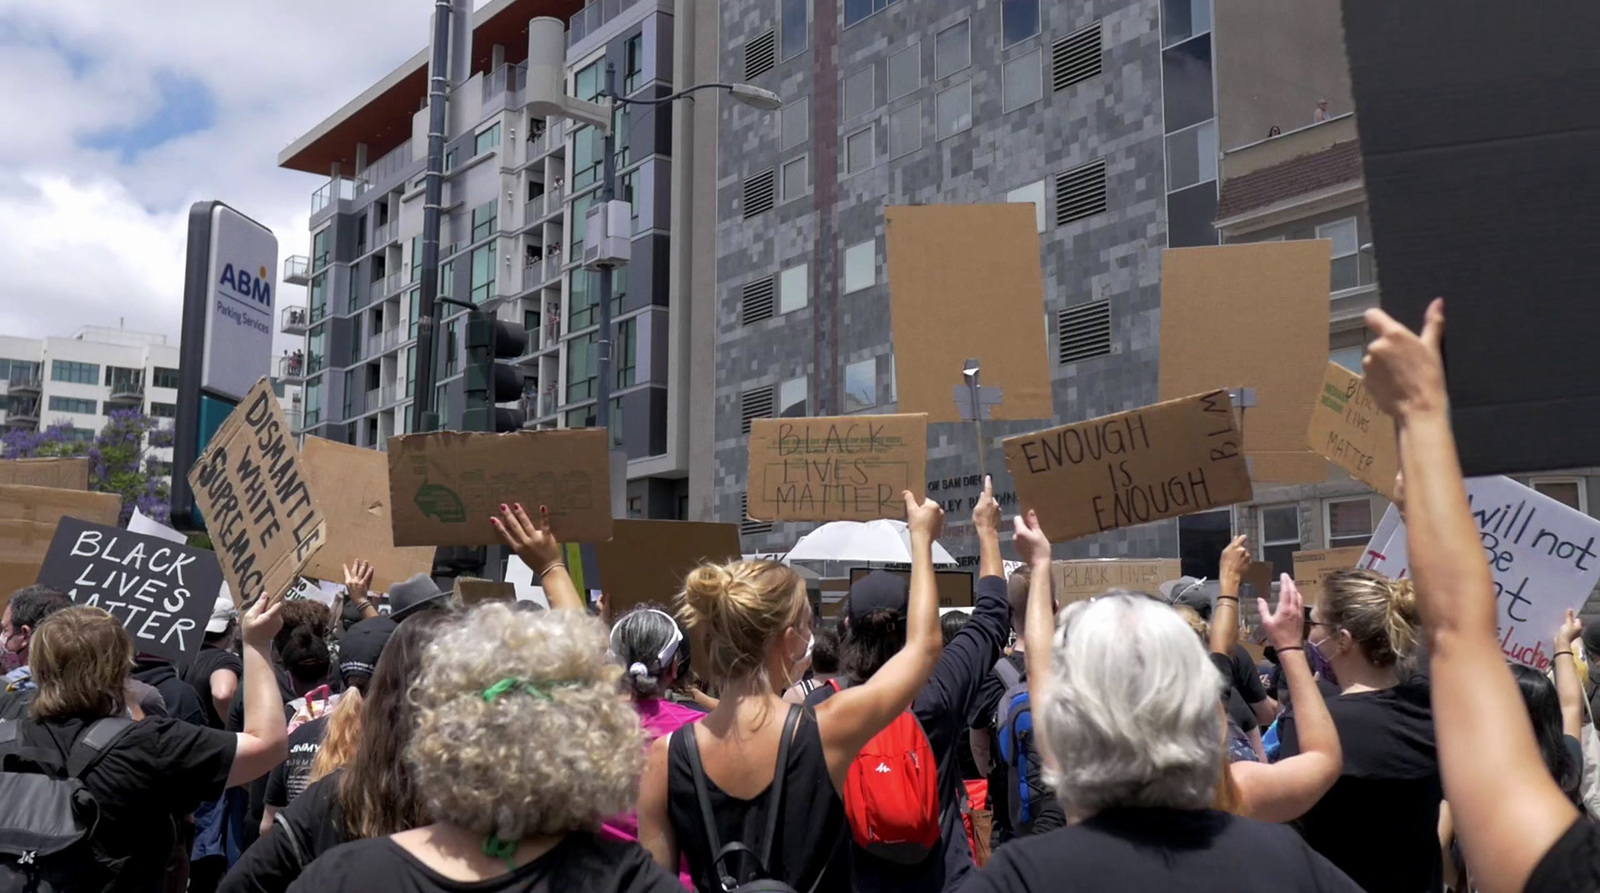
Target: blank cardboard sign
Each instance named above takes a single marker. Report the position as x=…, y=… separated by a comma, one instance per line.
x=1479, y=142
x=351, y=486
x=1252, y=316
x=645, y=561
x=965, y=283
x=1350, y=430
x=1131, y=468
x=838, y=468
x=65, y=473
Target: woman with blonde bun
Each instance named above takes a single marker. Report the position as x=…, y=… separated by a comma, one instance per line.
x=754, y=621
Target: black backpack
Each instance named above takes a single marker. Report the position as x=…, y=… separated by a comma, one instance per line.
x=48, y=821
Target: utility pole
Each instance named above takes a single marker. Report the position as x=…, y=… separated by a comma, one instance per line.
x=608, y=192
x=423, y=418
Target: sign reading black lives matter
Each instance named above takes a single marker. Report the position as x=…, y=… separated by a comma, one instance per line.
x=162, y=592
x=250, y=490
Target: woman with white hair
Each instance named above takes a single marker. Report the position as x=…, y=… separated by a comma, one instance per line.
x=1126, y=703
x=521, y=746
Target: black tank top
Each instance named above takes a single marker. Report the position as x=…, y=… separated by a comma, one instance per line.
x=811, y=842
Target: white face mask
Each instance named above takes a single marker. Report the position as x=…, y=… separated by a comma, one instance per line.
x=799, y=666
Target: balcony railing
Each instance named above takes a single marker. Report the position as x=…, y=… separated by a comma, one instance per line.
x=386, y=396
x=295, y=321
x=292, y=368
x=549, y=140
x=25, y=386
x=338, y=189
x=23, y=413
x=592, y=17
x=385, y=234
x=127, y=392
x=297, y=269
x=393, y=283
x=532, y=210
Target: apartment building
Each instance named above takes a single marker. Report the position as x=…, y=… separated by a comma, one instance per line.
x=516, y=188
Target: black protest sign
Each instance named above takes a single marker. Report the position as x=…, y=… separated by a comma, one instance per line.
x=162, y=592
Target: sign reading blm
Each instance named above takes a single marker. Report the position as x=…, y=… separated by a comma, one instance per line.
x=1161, y=461
x=162, y=592
x=838, y=468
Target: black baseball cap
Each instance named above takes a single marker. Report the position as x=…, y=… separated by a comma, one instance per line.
x=877, y=591
x=362, y=645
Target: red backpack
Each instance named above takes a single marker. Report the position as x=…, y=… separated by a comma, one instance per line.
x=891, y=794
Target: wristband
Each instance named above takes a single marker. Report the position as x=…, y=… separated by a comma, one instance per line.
x=1299, y=648
x=1559, y=653
x=1232, y=598
x=550, y=567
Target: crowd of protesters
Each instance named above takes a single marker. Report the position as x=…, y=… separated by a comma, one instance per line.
x=728, y=739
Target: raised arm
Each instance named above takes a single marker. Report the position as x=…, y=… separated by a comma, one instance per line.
x=357, y=585
x=1039, y=629
x=850, y=718
x=1225, y=616
x=538, y=549
x=1568, y=688
x=1282, y=791
x=1507, y=810
x=264, y=743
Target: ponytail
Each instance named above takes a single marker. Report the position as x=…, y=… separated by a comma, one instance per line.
x=339, y=739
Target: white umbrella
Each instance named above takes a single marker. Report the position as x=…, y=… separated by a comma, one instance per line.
x=863, y=542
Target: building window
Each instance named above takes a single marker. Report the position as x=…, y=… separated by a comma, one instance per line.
x=905, y=130
x=627, y=352
x=794, y=123
x=1280, y=537
x=583, y=367
x=449, y=165
x=792, y=398
x=483, y=273
x=860, y=93
x=487, y=140
x=314, y=403
x=1346, y=252
x=861, y=385
x=447, y=280
x=796, y=177
x=452, y=351
x=858, y=151
x=72, y=404
x=1349, y=357
x=952, y=110
x=856, y=10
x=633, y=64
x=1034, y=193
x=1349, y=522
x=905, y=71
x=1186, y=74
x=411, y=372
x=483, y=220
x=1024, y=79
x=1183, y=19
x=1192, y=156
x=164, y=378
x=795, y=27
x=952, y=49
x=1019, y=19
x=320, y=243
x=19, y=370
x=793, y=288
x=74, y=373
x=588, y=156
x=587, y=83
x=1569, y=491
x=860, y=266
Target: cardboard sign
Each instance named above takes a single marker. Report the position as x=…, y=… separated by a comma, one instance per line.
x=160, y=591
x=1482, y=92
x=314, y=590
x=351, y=485
x=965, y=283
x=474, y=591
x=445, y=486
x=62, y=473
x=1313, y=567
x=1352, y=433
x=1252, y=316
x=1543, y=555
x=1081, y=579
x=1131, y=468
x=28, y=518
x=645, y=561
x=836, y=468
x=252, y=491
x=955, y=587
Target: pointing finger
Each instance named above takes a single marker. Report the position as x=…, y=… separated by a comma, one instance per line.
x=1433, y=324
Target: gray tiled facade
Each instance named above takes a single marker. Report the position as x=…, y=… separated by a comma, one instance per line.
x=1112, y=256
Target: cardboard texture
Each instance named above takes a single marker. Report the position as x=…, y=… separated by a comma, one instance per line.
x=645, y=561
x=63, y=473
x=965, y=283
x=955, y=587
x=445, y=486
x=474, y=591
x=1489, y=94
x=251, y=488
x=162, y=592
x=1544, y=558
x=1311, y=568
x=836, y=468
x=1350, y=430
x=1081, y=579
x=47, y=505
x=1130, y=468
x=351, y=485
x=1252, y=316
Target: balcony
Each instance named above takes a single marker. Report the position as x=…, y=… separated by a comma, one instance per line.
x=127, y=392
x=532, y=210
x=548, y=141
x=339, y=189
x=593, y=17
x=295, y=419
x=23, y=414
x=392, y=284
x=386, y=396
x=295, y=321
x=297, y=269
x=25, y=386
x=292, y=368
x=387, y=234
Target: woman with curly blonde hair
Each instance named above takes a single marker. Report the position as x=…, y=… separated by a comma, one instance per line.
x=521, y=746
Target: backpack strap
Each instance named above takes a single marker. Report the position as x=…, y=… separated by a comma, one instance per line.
x=1007, y=671
x=95, y=742
x=719, y=852
x=775, y=796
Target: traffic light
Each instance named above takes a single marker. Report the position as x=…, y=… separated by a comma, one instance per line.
x=490, y=381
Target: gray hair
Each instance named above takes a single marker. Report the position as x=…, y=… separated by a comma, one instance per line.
x=637, y=641
x=1131, y=709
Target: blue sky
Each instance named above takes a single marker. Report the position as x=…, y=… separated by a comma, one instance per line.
x=186, y=105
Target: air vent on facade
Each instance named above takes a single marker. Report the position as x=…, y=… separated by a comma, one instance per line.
x=759, y=193
x=1083, y=332
x=760, y=55
x=747, y=526
x=1080, y=192
x=757, y=304
x=1075, y=58
x=756, y=404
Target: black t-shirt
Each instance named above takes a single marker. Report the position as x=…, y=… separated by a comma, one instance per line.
x=208, y=661
x=581, y=861
x=1572, y=864
x=1244, y=676
x=288, y=779
x=1380, y=821
x=159, y=768
x=308, y=827
x=1138, y=850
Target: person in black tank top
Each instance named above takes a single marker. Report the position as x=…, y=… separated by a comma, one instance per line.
x=756, y=622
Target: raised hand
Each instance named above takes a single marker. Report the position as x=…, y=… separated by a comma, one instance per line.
x=1235, y=561
x=1569, y=631
x=357, y=581
x=1285, y=626
x=1032, y=546
x=924, y=517
x=986, y=514
x=533, y=542
x=1404, y=371
x=262, y=621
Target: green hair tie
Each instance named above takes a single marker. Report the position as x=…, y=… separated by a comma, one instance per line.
x=495, y=848
x=513, y=684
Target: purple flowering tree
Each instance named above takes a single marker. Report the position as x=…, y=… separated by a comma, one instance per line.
x=119, y=457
